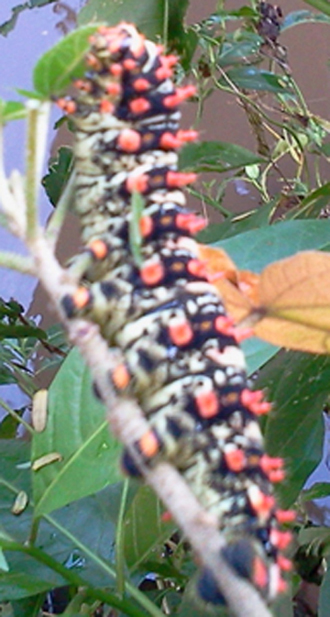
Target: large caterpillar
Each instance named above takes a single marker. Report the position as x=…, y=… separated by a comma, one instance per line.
x=182, y=359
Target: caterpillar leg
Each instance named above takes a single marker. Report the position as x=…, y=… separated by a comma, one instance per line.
x=105, y=303
x=94, y=260
x=167, y=441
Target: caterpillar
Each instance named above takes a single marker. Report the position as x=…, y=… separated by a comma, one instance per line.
x=182, y=360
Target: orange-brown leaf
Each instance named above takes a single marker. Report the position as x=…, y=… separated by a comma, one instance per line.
x=238, y=288
x=294, y=303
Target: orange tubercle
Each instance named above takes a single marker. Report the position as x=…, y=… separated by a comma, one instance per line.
x=180, y=95
x=165, y=70
x=235, y=459
x=207, y=404
x=168, y=141
x=276, y=475
x=113, y=88
x=129, y=64
x=129, y=140
x=196, y=268
x=121, y=377
x=181, y=334
x=99, y=249
x=284, y=563
x=254, y=402
x=282, y=586
x=224, y=325
x=178, y=179
x=166, y=517
x=152, y=273
x=260, y=502
x=190, y=222
x=259, y=573
x=187, y=136
x=67, y=105
x=146, y=226
x=82, y=84
x=141, y=84
x=280, y=539
x=285, y=516
x=116, y=69
x=106, y=106
x=81, y=297
x=139, y=106
x=137, y=183
x=149, y=444
x=92, y=61
x=269, y=463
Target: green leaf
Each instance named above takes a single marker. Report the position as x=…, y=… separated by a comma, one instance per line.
x=8, y=331
x=216, y=156
x=144, y=528
x=3, y=562
x=55, y=70
x=257, y=353
x=59, y=536
x=303, y=17
x=6, y=376
x=234, y=52
x=59, y=172
x=30, y=94
x=324, y=600
x=252, y=78
x=254, y=250
x=320, y=5
x=298, y=384
x=28, y=607
x=148, y=16
x=311, y=206
x=317, y=491
x=238, y=224
x=8, y=427
x=77, y=430
x=11, y=110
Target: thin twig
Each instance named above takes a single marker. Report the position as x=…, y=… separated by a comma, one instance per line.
x=17, y=262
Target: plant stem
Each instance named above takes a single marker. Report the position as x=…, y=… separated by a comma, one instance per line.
x=120, y=559
x=165, y=27
x=17, y=417
x=104, y=565
x=17, y=262
x=73, y=578
x=37, y=117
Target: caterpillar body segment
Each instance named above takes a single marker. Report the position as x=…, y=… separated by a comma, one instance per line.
x=181, y=355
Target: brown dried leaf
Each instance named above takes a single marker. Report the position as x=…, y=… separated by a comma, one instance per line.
x=238, y=288
x=294, y=303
